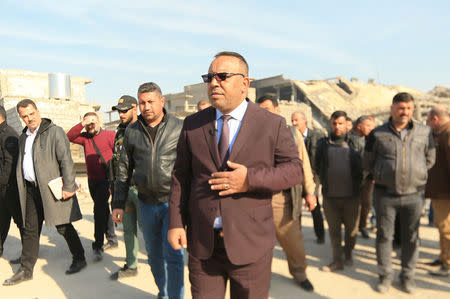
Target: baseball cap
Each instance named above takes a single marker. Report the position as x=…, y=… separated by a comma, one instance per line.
x=125, y=103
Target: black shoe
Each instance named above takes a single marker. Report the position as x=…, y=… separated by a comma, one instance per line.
x=76, y=266
x=306, y=285
x=320, y=240
x=434, y=263
x=364, y=233
x=110, y=245
x=98, y=256
x=123, y=272
x=15, y=261
x=443, y=272
x=18, y=277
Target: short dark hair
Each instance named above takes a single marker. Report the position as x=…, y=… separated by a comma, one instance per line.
x=25, y=103
x=402, y=97
x=337, y=114
x=348, y=118
x=91, y=114
x=268, y=97
x=363, y=118
x=2, y=112
x=149, y=87
x=234, y=54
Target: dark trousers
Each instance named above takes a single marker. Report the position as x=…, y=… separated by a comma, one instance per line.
x=209, y=277
x=9, y=208
x=34, y=217
x=409, y=208
x=338, y=212
x=103, y=224
x=366, y=202
x=318, y=221
x=316, y=214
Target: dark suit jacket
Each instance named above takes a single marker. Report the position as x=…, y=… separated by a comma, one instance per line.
x=264, y=145
x=311, y=140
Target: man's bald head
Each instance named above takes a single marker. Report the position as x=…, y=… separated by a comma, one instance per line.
x=242, y=62
x=437, y=117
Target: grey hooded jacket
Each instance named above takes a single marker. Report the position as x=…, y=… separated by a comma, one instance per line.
x=400, y=166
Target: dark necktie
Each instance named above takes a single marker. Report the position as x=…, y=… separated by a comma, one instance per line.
x=224, y=141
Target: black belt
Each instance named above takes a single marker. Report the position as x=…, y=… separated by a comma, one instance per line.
x=31, y=184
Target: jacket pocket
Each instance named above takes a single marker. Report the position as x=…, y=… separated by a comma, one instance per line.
x=261, y=214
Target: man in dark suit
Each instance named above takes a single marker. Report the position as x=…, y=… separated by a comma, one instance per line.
x=9, y=203
x=44, y=155
x=231, y=157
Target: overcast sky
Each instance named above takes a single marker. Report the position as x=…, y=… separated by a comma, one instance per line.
x=121, y=44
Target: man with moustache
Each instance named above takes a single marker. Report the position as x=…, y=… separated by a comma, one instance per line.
x=398, y=155
x=338, y=163
x=231, y=158
x=287, y=205
x=127, y=110
x=44, y=155
x=146, y=159
x=9, y=203
x=98, y=147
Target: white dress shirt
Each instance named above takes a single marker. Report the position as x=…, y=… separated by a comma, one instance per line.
x=28, y=164
x=234, y=123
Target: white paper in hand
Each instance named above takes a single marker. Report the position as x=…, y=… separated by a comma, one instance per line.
x=55, y=186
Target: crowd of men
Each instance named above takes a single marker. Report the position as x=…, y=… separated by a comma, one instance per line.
x=225, y=184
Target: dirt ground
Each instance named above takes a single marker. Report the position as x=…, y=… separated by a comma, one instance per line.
x=358, y=281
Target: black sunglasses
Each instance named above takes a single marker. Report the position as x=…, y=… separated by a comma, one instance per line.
x=207, y=78
x=123, y=110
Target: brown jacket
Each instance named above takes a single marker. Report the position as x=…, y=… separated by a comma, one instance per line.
x=265, y=146
x=438, y=184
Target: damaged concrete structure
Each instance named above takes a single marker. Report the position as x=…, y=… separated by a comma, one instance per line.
x=318, y=99
x=16, y=85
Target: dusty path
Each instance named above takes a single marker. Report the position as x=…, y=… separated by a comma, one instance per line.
x=356, y=282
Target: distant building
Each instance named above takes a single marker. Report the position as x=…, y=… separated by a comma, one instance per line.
x=65, y=111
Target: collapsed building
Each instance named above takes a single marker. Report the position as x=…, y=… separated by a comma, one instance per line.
x=318, y=99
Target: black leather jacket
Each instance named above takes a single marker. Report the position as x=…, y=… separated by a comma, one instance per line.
x=9, y=151
x=149, y=164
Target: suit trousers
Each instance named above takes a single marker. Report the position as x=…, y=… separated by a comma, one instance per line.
x=441, y=208
x=408, y=208
x=366, y=202
x=338, y=212
x=209, y=277
x=103, y=224
x=289, y=234
x=9, y=208
x=31, y=231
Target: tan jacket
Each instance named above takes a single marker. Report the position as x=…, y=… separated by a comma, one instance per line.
x=438, y=186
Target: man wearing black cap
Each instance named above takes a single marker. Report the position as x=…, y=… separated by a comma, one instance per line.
x=127, y=109
x=98, y=147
